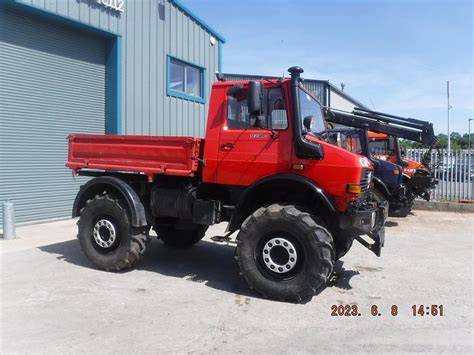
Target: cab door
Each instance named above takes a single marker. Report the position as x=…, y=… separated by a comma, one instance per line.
x=252, y=148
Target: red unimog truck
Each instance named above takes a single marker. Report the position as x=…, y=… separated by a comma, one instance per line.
x=265, y=167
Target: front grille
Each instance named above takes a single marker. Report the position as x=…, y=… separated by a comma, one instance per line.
x=365, y=179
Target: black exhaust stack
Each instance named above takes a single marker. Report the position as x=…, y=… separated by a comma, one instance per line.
x=303, y=148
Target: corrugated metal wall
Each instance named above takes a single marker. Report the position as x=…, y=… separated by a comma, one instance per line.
x=52, y=82
x=33, y=127
x=151, y=29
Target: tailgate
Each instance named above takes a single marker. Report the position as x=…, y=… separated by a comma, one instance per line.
x=143, y=154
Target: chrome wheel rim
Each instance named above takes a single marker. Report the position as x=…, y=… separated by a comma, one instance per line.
x=104, y=233
x=279, y=255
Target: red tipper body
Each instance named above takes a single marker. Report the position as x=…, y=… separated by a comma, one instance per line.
x=143, y=154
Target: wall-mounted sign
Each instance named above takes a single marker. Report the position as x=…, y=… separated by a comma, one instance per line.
x=117, y=5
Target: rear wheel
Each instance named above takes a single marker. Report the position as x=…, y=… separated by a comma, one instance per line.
x=284, y=254
x=107, y=237
x=181, y=236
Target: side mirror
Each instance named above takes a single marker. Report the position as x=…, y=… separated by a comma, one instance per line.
x=254, y=100
x=307, y=121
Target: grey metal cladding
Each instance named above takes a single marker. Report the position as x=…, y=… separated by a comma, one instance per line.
x=318, y=87
x=38, y=109
x=151, y=29
x=51, y=84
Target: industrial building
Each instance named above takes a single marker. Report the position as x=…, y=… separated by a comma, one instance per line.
x=93, y=66
x=100, y=66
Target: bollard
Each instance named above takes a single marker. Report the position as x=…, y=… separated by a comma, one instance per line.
x=8, y=221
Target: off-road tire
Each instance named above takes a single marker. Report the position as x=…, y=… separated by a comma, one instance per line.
x=314, y=244
x=379, y=196
x=401, y=212
x=343, y=242
x=130, y=244
x=174, y=237
x=405, y=210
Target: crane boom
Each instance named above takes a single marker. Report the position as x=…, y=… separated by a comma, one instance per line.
x=406, y=128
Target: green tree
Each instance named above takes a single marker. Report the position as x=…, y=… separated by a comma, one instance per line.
x=442, y=140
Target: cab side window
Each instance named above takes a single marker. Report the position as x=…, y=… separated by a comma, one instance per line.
x=237, y=112
x=274, y=111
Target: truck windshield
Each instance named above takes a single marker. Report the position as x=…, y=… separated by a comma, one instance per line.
x=347, y=140
x=310, y=107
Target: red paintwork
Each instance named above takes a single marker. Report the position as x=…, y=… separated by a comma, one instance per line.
x=148, y=155
x=253, y=158
x=409, y=169
x=254, y=155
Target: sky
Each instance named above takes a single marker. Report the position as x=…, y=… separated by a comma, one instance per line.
x=394, y=56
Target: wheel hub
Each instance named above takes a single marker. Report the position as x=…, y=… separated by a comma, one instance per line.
x=279, y=255
x=104, y=233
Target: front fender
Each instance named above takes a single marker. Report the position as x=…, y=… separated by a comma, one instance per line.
x=380, y=185
x=251, y=197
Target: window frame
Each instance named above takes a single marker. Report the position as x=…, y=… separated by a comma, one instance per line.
x=283, y=94
x=183, y=95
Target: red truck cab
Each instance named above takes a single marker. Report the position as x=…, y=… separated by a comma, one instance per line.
x=385, y=147
x=239, y=153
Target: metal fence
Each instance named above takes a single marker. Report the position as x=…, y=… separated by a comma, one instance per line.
x=454, y=172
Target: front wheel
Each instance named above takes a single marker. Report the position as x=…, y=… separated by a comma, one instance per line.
x=284, y=254
x=107, y=237
x=405, y=210
x=343, y=241
x=379, y=196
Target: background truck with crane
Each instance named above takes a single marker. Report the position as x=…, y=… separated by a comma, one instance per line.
x=388, y=180
x=378, y=136
x=265, y=167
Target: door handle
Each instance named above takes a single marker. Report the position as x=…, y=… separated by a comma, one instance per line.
x=227, y=146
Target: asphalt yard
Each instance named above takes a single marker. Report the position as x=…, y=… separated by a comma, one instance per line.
x=53, y=300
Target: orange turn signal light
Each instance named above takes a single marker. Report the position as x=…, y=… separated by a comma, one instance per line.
x=354, y=188
x=297, y=166
x=396, y=172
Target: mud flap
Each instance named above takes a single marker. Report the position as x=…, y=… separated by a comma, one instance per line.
x=378, y=234
x=379, y=240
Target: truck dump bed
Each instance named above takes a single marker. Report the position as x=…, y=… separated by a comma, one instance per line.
x=142, y=154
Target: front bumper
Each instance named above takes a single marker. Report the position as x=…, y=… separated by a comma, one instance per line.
x=421, y=185
x=368, y=219
x=398, y=197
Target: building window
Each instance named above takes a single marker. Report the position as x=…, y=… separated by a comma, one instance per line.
x=185, y=80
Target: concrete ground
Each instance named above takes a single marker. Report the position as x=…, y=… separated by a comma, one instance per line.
x=54, y=301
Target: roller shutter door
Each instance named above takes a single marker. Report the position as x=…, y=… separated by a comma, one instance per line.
x=52, y=82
